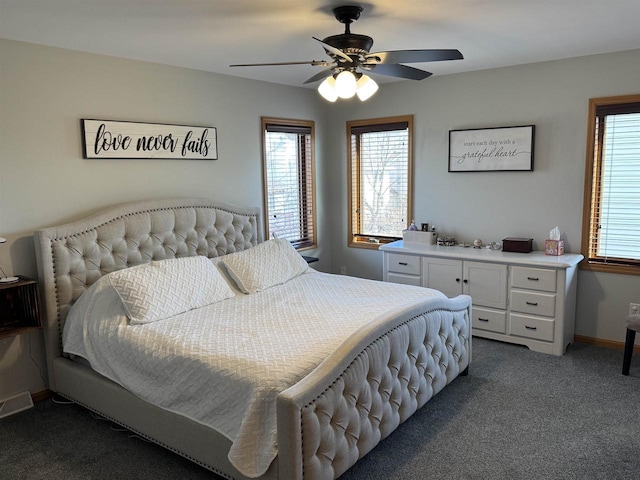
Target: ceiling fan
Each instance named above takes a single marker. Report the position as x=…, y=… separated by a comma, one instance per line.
x=350, y=56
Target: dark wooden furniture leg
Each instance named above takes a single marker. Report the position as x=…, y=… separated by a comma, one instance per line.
x=628, y=350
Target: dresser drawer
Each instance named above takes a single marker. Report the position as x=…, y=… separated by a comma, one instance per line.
x=533, y=278
x=404, y=263
x=404, y=279
x=532, y=327
x=492, y=320
x=537, y=303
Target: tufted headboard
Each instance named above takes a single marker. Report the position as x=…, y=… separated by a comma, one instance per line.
x=73, y=256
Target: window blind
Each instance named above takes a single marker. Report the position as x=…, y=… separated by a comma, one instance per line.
x=615, y=205
x=380, y=179
x=288, y=166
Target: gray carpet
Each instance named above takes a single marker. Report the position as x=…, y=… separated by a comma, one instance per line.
x=517, y=415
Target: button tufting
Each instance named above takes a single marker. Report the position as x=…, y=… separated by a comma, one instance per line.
x=387, y=396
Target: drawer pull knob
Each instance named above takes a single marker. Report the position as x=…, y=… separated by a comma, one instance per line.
x=465, y=281
x=530, y=328
x=533, y=279
x=483, y=319
x=403, y=263
x=458, y=280
x=535, y=304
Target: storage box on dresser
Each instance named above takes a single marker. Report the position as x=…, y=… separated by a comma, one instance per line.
x=523, y=298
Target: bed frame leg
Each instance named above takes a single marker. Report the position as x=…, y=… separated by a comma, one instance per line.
x=465, y=372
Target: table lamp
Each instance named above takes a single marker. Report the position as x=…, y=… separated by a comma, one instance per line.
x=4, y=278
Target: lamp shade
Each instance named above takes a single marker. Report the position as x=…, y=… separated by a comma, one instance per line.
x=328, y=89
x=366, y=87
x=346, y=84
x=3, y=277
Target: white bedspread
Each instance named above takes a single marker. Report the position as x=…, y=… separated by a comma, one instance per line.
x=224, y=364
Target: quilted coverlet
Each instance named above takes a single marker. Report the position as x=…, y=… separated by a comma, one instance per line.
x=224, y=364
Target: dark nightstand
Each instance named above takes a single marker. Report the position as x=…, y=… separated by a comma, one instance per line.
x=19, y=310
x=310, y=259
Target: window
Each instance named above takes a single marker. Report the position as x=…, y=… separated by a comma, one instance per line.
x=380, y=167
x=611, y=218
x=288, y=171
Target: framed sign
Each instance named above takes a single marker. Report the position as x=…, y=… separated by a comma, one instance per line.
x=491, y=149
x=113, y=139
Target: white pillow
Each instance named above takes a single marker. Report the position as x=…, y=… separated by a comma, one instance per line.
x=165, y=288
x=270, y=263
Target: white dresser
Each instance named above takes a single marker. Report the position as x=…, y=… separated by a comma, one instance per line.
x=524, y=298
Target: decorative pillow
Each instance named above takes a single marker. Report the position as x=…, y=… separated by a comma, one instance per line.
x=165, y=288
x=270, y=263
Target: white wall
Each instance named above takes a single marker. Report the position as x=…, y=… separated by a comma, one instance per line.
x=493, y=205
x=44, y=92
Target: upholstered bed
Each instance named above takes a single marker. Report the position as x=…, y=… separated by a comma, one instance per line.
x=362, y=386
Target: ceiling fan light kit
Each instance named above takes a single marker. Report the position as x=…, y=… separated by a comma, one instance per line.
x=349, y=52
x=346, y=85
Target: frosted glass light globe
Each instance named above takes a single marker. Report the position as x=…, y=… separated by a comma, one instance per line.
x=346, y=84
x=366, y=87
x=328, y=89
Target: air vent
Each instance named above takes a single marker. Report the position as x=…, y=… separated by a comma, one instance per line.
x=15, y=404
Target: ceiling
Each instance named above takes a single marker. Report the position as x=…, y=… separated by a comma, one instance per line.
x=210, y=35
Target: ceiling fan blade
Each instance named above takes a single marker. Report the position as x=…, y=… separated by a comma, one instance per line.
x=319, y=76
x=334, y=50
x=414, y=56
x=315, y=63
x=402, y=71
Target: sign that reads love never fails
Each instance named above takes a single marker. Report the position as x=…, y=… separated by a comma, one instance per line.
x=115, y=139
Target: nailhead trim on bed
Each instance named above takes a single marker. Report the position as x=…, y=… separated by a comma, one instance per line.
x=342, y=424
x=81, y=258
x=422, y=356
x=147, y=437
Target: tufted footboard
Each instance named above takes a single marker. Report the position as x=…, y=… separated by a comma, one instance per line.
x=371, y=384
x=326, y=422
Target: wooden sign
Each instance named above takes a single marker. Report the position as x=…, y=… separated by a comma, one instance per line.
x=113, y=139
x=491, y=149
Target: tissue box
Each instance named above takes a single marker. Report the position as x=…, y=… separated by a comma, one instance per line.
x=554, y=247
x=418, y=236
x=519, y=245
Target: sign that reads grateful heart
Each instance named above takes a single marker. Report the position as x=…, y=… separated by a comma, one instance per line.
x=115, y=139
x=487, y=149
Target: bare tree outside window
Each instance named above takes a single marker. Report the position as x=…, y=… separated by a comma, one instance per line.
x=380, y=178
x=289, y=181
x=384, y=184
x=611, y=213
